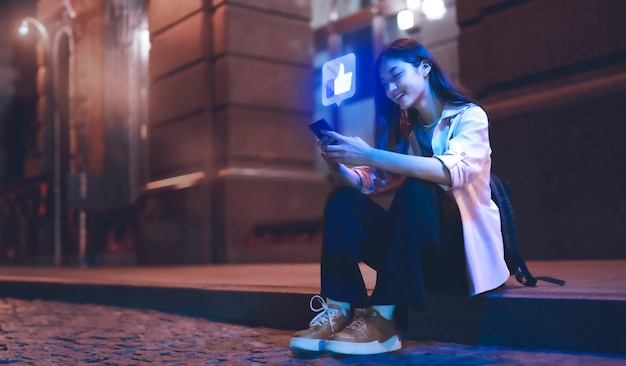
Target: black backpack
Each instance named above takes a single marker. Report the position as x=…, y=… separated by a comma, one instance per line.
x=501, y=195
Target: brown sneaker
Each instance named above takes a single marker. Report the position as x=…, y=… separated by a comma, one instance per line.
x=368, y=334
x=329, y=321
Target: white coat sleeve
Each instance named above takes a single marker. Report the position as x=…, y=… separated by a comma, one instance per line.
x=468, y=148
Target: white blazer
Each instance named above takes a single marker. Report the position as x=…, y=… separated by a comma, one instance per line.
x=461, y=142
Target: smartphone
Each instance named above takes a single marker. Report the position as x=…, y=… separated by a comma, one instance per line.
x=321, y=125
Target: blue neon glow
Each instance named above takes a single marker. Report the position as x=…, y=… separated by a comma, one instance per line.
x=338, y=79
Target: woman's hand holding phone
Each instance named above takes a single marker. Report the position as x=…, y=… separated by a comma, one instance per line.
x=348, y=150
x=339, y=149
x=319, y=128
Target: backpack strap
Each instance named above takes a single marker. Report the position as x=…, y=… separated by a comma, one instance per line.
x=523, y=276
x=501, y=194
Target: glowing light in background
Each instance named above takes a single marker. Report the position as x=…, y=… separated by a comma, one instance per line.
x=413, y=4
x=144, y=38
x=405, y=19
x=433, y=9
x=70, y=8
x=179, y=182
x=23, y=29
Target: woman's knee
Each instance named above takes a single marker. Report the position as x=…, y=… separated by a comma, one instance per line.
x=416, y=196
x=416, y=188
x=342, y=196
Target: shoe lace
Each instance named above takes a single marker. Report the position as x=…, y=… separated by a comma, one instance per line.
x=326, y=314
x=357, y=322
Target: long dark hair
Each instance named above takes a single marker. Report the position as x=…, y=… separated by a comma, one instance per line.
x=392, y=126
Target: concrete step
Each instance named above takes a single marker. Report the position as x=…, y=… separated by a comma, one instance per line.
x=587, y=314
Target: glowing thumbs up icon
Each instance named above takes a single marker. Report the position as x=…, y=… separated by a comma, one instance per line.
x=338, y=77
x=343, y=81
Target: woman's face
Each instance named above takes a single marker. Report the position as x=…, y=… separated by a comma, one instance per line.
x=403, y=83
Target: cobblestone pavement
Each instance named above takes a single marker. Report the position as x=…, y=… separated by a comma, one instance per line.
x=55, y=333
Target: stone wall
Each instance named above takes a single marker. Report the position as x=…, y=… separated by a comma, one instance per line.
x=552, y=76
x=230, y=99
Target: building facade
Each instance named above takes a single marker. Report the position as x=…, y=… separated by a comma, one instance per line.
x=551, y=74
x=168, y=132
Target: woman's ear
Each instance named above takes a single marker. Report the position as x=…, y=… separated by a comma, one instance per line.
x=425, y=68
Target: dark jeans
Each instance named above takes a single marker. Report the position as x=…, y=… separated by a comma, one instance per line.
x=415, y=246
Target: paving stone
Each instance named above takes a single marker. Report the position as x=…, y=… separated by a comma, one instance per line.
x=88, y=334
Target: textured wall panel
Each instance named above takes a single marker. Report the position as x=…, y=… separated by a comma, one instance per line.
x=176, y=146
x=539, y=37
x=164, y=13
x=178, y=46
x=257, y=134
x=276, y=201
x=260, y=83
x=551, y=74
x=259, y=34
x=296, y=8
x=178, y=95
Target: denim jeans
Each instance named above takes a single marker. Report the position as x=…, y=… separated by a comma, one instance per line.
x=416, y=246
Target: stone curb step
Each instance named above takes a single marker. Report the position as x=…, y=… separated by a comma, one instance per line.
x=592, y=324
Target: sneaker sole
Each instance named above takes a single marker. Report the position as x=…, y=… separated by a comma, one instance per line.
x=369, y=348
x=306, y=345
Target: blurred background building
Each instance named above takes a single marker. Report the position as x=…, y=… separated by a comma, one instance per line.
x=167, y=132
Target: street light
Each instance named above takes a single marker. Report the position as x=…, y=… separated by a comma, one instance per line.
x=69, y=8
x=405, y=19
x=431, y=9
x=24, y=29
x=434, y=9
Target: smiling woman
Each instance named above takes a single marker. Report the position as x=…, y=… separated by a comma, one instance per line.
x=441, y=232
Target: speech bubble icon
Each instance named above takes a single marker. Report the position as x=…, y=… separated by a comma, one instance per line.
x=338, y=79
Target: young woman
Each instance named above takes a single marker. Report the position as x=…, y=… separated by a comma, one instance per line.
x=441, y=232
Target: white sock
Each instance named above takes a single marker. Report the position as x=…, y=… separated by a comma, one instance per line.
x=345, y=306
x=386, y=311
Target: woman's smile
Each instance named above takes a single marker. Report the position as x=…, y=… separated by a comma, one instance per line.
x=402, y=82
